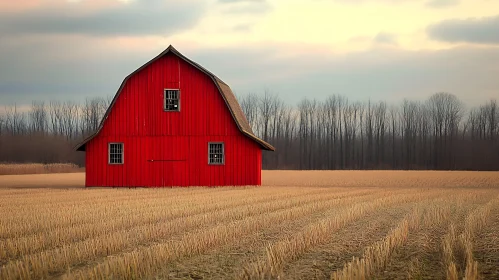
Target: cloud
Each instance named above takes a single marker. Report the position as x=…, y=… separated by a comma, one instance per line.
x=429, y=3
x=473, y=30
x=385, y=38
x=242, y=28
x=245, y=6
x=241, y=1
x=442, y=3
x=252, y=9
x=133, y=18
x=379, y=73
x=67, y=68
x=294, y=71
x=355, y=2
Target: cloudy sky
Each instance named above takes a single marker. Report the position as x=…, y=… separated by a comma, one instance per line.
x=377, y=49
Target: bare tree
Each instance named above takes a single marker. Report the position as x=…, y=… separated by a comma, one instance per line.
x=2, y=124
x=38, y=117
x=92, y=112
x=15, y=120
x=380, y=116
x=393, y=112
x=69, y=121
x=446, y=113
x=266, y=112
x=249, y=105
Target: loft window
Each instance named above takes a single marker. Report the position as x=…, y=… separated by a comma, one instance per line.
x=216, y=153
x=171, y=100
x=115, y=153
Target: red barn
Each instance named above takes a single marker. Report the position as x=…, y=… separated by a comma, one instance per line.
x=173, y=123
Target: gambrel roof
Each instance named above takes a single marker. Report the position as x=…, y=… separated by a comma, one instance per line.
x=223, y=88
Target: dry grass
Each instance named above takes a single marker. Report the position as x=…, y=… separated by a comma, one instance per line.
x=378, y=255
x=458, y=249
x=45, y=181
x=383, y=178
x=38, y=168
x=250, y=232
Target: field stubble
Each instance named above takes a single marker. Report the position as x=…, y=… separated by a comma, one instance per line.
x=300, y=224
x=38, y=168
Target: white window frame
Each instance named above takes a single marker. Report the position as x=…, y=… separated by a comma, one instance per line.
x=122, y=153
x=165, y=93
x=210, y=153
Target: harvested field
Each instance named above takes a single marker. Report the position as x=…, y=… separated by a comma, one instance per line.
x=47, y=181
x=299, y=225
x=38, y=168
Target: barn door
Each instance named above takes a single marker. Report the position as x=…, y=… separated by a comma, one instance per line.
x=167, y=158
x=168, y=173
x=156, y=176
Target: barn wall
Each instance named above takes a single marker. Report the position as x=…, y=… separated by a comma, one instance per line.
x=171, y=148
x=139, y=109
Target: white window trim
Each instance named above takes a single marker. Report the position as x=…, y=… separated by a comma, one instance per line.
x=223, y=153
x=164, y=99
x=122, y=153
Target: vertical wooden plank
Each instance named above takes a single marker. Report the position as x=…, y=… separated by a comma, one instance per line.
x=134, y=164
x=104, y=167
x=259, y=167
x=161, y=143
x=240, y=162
x=129, y=162
x=139, y=169
x=229, y=164
x=94, y=154
x=120, y=167
x=197, y=171
x=89, y=165
x=101, y=158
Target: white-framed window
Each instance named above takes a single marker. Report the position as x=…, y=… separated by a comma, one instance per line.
x=116, y=153
x=171, y=100
x=216, y=153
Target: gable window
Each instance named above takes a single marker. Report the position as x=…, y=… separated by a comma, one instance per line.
x=115, y=153
x=216, y=153
x=171, y=100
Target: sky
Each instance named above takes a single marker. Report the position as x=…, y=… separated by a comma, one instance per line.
x=363, y=49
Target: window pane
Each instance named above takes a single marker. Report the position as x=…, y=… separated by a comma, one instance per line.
x=171, y=100
x=215, y=153
x=116, y=153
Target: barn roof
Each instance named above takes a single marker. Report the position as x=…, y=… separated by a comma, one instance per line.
x=223, y=88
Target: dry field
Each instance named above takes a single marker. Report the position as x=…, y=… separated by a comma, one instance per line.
x=299, y=225
x=38, y=168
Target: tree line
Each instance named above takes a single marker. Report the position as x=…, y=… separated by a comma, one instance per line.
x=338, y=133
x=47, y=132
x=335, y=133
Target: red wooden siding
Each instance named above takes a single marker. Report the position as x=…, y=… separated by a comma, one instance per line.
x=171, y=148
